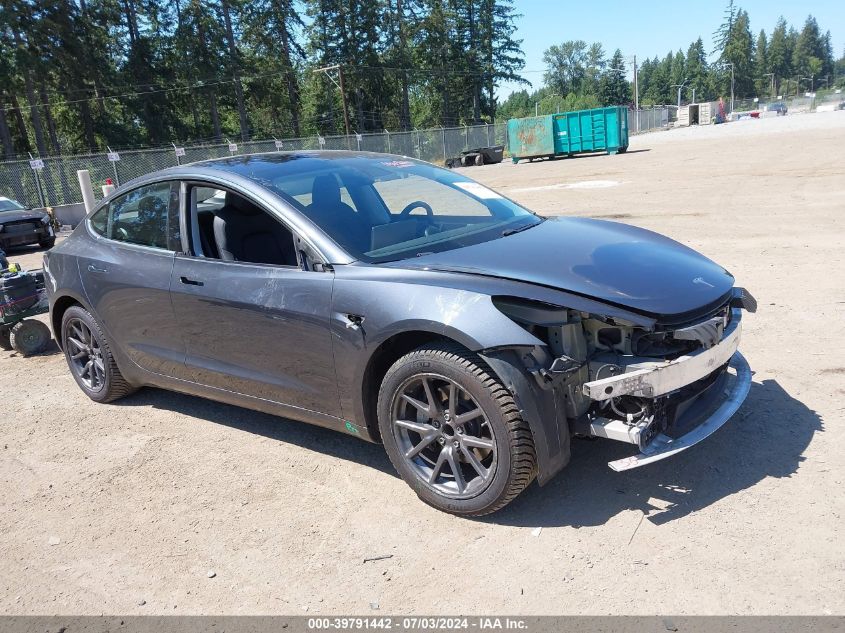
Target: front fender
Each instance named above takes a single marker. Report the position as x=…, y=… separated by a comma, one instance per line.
x=389, y=310
x=541, y=408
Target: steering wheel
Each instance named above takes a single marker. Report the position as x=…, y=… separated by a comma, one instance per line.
x=429, y=212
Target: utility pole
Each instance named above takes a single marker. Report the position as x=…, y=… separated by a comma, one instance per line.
x=680, y=87
x=772, y=75
x=799, y=84
x=340, y=86
x=636, y=94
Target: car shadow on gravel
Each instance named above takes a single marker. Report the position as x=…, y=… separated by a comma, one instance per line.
x=766, y=438
x=308, y=436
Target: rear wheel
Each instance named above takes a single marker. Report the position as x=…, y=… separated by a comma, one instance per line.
x=29, y=337
x=453, y=432
x=49, y=243
x=89, y=357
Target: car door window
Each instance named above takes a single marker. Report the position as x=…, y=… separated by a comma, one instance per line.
x=232, y=228
x=147, y=216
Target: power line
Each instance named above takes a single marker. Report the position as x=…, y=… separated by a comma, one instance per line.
x=243, y=79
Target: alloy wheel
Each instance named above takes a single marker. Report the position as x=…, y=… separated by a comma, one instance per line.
x=444, y=435
x=85, y=354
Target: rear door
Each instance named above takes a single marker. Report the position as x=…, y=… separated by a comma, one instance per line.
x=256, y=329
x=127, y=276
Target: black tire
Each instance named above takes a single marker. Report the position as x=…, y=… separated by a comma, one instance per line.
x=479, y=160
x=108, y=384
x=5, y=339
x=29, y=337
x=48, y=243
x=510, y=460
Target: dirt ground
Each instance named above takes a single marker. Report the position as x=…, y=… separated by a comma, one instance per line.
x=126, y=508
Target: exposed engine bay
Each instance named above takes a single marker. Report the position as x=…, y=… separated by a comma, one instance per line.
x=622, y=381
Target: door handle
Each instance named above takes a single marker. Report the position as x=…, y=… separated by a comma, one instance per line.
x=190, y=282
x=96, y=269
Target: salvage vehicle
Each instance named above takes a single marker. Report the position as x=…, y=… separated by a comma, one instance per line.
x=20, y=226
x=401, y=303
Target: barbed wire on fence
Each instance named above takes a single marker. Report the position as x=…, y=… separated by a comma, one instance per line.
x=55, y=183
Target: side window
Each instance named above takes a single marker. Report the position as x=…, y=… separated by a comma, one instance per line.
x=147, y=216
x=100, y=221
x=231, y=228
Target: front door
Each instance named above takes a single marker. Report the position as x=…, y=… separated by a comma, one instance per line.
x=253, y=327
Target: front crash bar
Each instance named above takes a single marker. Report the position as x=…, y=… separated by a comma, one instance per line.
x=655, y=379
x=664, y=446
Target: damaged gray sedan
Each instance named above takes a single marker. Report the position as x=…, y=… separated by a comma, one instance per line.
x=405, y=304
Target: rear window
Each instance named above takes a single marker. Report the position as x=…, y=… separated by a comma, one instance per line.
x=147, y=216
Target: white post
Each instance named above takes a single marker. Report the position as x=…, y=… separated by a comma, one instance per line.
x=87, y=190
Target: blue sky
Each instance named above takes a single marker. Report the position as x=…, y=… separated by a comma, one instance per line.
x=653, y=28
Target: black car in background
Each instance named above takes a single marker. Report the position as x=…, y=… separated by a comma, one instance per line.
x=778, y=107
x=20, y=226
x=406, y=304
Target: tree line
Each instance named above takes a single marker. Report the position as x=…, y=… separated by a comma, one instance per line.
x=786, y=62
x=82, y=75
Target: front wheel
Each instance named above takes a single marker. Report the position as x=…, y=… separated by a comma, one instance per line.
x=48, y=243
x=453, y=432
x=89, y=357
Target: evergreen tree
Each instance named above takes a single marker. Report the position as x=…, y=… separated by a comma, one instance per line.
x=761, y=65
x=779, y=55
x=810, y=54
x=503, y=57
x=697, y=71
x=737, y=50
x=614, y=88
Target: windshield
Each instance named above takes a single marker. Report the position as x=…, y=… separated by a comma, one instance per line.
x=10, y=205
x=383, y=208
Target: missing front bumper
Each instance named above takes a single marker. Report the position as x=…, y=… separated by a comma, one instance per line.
x=735, y=390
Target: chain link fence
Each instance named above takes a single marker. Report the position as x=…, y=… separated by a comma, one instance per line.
x=650, y=119
x=56, y=182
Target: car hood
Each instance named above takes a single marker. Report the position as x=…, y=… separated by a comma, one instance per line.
x=609, y=261
x=23, y=214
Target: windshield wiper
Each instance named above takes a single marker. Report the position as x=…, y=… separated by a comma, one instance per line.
x=518, y=229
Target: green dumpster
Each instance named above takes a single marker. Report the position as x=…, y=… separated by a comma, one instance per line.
x=567, y=133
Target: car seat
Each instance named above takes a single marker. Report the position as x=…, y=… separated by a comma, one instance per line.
x=245, y=233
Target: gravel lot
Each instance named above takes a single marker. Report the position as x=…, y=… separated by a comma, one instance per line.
x=126, y=508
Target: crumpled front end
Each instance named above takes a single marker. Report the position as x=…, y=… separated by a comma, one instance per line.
x=660, y=388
